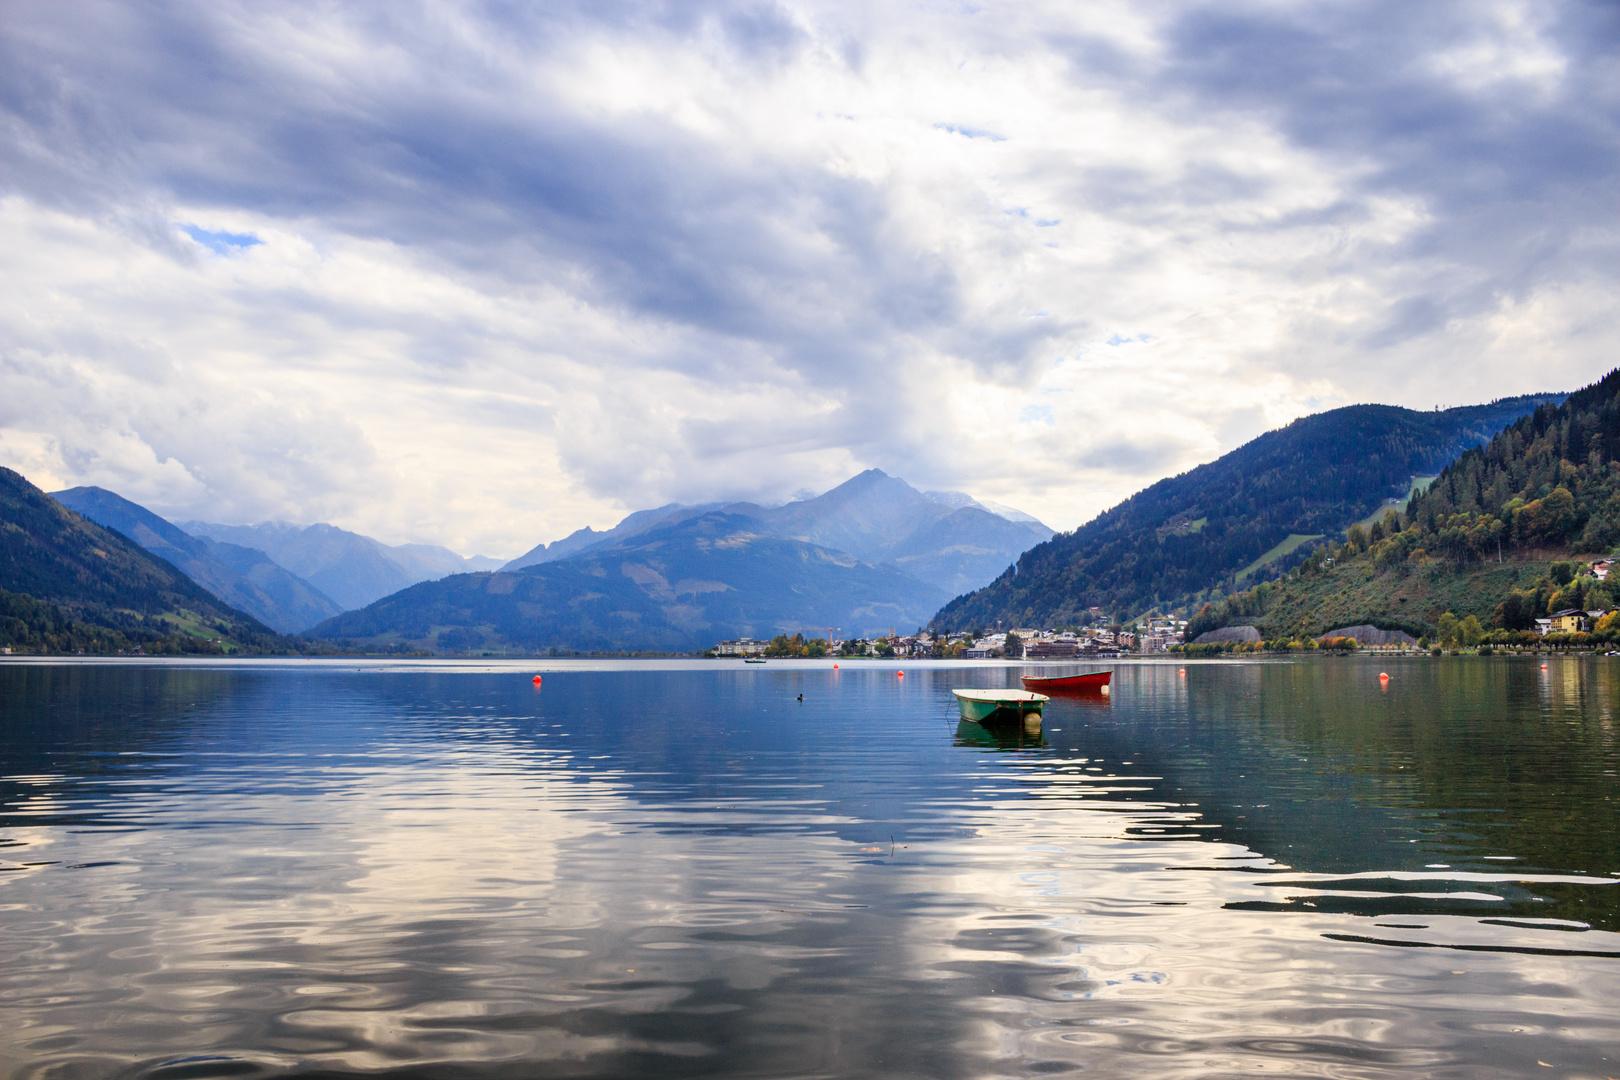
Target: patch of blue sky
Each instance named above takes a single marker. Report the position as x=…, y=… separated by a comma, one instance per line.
x=221, y=243
x=1040, y=223
x=1033, y=414
x=1116, y=339
x=971, y=133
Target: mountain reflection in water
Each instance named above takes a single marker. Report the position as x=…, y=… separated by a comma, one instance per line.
x=679, y=869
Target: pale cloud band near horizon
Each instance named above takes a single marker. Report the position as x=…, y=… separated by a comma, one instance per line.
x=479, y=274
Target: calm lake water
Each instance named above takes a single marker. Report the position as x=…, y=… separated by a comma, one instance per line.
x=680, y=869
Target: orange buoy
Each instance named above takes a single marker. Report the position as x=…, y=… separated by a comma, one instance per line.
x=1543, y=667
x=900, y=674
x=1181, y=671
x=835, y=667
x=1383, y=676
x=537, y=680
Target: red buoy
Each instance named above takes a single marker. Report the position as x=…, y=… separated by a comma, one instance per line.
x=901, y=674
x=835, y=667
x=537, y=680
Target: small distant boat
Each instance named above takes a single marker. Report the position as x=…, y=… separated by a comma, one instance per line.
x=1090, y=680
x=982, y=705
x=753, y=661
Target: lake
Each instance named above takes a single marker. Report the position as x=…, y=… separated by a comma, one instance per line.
x=680, y=869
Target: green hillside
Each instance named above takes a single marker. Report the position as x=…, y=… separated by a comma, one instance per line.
x=69, y=585
x=1250, y=514
x=1548, y=481
x=1504, y=534
x=1317, y=597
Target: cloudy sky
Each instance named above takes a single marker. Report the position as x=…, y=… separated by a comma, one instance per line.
x=482, y=273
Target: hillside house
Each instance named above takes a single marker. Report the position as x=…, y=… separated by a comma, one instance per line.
x=1568, y=621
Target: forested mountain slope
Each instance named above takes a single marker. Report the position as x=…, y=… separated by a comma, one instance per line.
x=67, y=584
x=1502, y=534
x=1547, y=481
x=1203, y=528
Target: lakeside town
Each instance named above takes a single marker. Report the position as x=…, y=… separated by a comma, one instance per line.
x=1157, y=635
x=1161, y=634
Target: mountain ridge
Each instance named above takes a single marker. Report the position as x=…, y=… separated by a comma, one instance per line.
x=70, y=584
x=1502, y=535
x=1186, y=534
x=244, y=578
x=678, y=586
x=875, y=517
x=352, y=569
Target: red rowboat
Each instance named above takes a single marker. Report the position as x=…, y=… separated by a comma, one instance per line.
x=1091, y=680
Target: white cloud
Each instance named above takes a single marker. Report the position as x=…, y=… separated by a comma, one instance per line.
x=518, y=275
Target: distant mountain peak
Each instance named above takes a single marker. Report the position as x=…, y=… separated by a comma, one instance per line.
x=953, y=499
x=1012, y=513
x=959, y=500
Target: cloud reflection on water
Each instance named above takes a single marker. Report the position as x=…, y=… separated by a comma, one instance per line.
x=670, y=872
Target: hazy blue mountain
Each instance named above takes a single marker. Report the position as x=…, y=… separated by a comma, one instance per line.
x=69, y=585
x=956, y=500
x=587, y=538
x=681, y=585
x=242, y=577
x=945, y=539
x=432, y=561
x=350, y=568
x=965, y=548
x=1218, y=524
x=346, y=566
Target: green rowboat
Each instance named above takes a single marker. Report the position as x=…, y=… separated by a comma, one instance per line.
x=981, y=705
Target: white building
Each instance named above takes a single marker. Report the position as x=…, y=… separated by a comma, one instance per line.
x=986, y=647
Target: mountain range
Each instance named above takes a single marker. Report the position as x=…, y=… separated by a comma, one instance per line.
x=70, y=585
x=1245, y=517
x=1504, y=535
x=868, y=556
x=945, y=539
x=289, y=577
x=352, y=569
x=679, y=586
x=871, y=554
x=242, y=577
